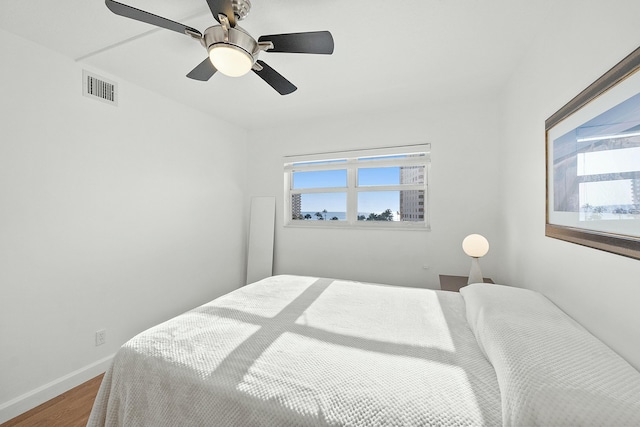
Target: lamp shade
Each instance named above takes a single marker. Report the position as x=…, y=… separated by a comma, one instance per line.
x=230, y=60
x=475, y=245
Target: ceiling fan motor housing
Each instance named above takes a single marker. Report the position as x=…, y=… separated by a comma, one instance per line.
x=237, y=38
x=241, y=8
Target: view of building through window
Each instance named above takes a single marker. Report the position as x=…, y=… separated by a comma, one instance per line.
x=412, y=201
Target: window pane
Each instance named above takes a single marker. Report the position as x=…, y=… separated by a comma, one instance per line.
x=390, y=176
x=412, y=175
x=379, y=206
x=320, y=179
x=319, y=206
x=406, y=205
x=378, y=176
x=412, y=207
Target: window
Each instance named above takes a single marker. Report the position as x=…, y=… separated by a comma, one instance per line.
x=380, y=188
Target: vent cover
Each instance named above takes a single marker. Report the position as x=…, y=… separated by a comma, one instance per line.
x=99, y=88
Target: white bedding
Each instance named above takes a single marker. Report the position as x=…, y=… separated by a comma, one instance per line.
x=551, y=371
x=306, y=351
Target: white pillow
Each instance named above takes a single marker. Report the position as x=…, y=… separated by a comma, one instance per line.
x=551, y=371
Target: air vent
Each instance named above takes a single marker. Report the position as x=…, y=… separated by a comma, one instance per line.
x=99, y=88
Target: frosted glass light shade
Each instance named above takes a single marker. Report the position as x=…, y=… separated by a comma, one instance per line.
x=230, y=60
x=475, y=245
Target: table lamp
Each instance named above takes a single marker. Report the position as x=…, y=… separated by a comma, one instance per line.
x=475, y=246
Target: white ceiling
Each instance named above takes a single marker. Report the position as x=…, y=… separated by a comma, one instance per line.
x=388, y=54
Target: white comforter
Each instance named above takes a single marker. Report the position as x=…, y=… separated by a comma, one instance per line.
x=551, y=371
x=306, y=351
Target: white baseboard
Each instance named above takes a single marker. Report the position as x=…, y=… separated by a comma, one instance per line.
x=38, y=396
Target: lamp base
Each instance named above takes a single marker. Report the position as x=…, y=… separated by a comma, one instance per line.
x=475, y=275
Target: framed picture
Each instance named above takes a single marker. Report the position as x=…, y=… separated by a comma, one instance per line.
x=593, y=164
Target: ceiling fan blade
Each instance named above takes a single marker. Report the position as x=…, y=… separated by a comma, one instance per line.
x=149, y=18
x=275, y=79
x=222, y=6
x=312, y=42
x=203, y=71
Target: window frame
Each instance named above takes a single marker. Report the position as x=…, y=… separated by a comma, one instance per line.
x=354, y=160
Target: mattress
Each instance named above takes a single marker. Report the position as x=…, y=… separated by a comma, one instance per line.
x=306, y=351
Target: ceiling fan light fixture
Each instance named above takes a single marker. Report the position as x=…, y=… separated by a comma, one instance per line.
x=232, y=51
x=230, y=60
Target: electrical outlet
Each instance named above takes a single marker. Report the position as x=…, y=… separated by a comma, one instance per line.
x=101, y=337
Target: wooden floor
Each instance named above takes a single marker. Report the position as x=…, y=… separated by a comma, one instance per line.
x=70, y=409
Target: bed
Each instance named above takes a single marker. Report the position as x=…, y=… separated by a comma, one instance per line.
x=306, y=351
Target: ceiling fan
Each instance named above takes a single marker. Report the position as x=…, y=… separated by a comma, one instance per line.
x=232, y=50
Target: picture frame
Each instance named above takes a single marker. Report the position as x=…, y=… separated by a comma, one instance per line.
x=593, y=164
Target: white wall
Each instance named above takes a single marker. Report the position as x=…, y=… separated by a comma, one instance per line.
x=115, y=218
x=464, y=187
x=581, y=41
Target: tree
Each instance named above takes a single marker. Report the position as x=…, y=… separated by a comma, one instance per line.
x=308, y=216
x=335, y=218
x=319, y=216
x=324, y=211
x=361, y=218
x=387, y=215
